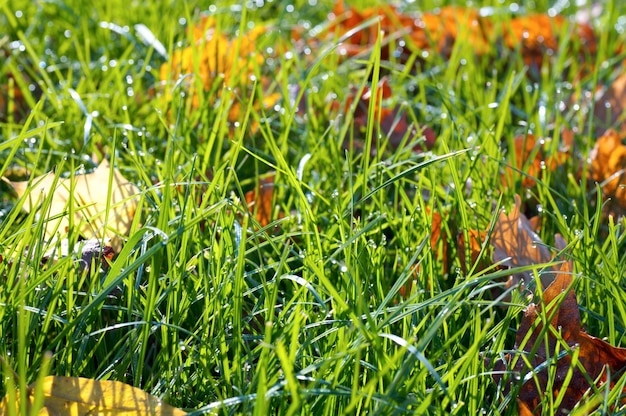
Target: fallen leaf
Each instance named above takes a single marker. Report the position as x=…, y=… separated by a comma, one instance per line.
x=439, y=247
x=476, y=238
x=538, y=36
x=259, y=200
x=516, y=244
x=96, y=214
x=533, y=160
x=78, y=396
x=608, y=161
x=594, y=355
x=608, y=109
x=218, y=60
x=406, y=34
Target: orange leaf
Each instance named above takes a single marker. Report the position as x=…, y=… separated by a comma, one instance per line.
x=394, y=123
x=259, y=200
x=608, y=109
x=538, y=36
x=476, y=238
x=595, y=356
x=516, y=244
x=531, y=159
x=608, y=161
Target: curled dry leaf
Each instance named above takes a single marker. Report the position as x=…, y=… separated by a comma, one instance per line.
x=608, y=161
x=99, y=212
x=594, y=355
x=78, y=396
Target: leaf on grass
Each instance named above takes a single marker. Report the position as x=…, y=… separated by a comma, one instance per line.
x=218, y=60
x=533, y=160
x=259, y=200
x=406, y=33
x=95, y=215
x=609, y=108
x=538, y=35
x=438, y=246
x=594, y=355
x=78, y=396
x=476, y=239
x=608, y=161
x=516, y=244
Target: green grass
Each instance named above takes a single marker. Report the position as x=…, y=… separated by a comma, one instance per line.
x=213, y=312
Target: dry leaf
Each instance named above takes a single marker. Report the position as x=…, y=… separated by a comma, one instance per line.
x=440, y=251
x=516, y=244
x=78, y=396
x=595, y=355
x=89, y=194
x=219, y=60
x=531, y=159
x=476, y=239
x=537, y=36
x=608, y=109
x=259, y=200
x=608, y=161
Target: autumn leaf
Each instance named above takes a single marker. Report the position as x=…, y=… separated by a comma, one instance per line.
x=476, y=238
x=218, y=60
x=78, y=396
x=608, y=109
x=608, y=161
x=438, y=246
x=99, y=212
x=594, y=355
x=531, y=160
x=516, y=244
x=538, y=36
x=259, y=200
x=406, y=34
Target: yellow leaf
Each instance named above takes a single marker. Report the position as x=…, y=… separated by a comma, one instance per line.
x=91, y=198
x=76, y=396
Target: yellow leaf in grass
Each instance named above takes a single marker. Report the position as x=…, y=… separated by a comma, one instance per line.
x=76, y=396
x=99, y=212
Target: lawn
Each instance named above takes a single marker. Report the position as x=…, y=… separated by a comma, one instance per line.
x=315, y=211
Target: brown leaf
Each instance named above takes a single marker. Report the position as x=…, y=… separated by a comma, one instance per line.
x=537, y=36
x=95, y=214
x=476, y=239
x=532, y=159
x=82, y=396
x=608, y=161
x=595, y=355
x=259, y=200
x=608, y=109
x=516, y=244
